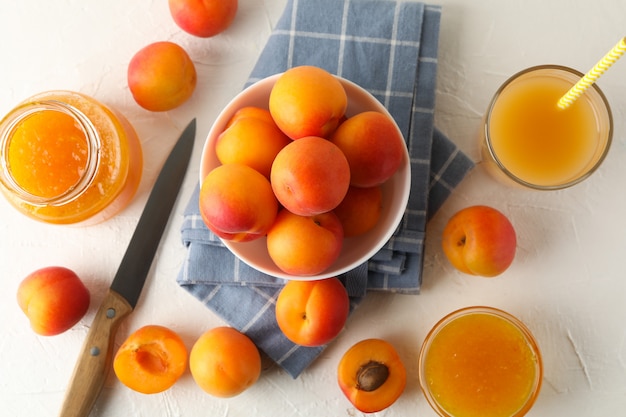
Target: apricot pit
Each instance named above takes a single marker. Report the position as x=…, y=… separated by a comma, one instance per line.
x=371, y=376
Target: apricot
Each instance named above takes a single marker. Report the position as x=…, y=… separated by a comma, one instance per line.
x=251, y=111
x=312, y=313
x=237, y=203
x=204, y=18
x=307, y=101
x=151, y=359
x=54, y=299
x=304, y=245
x=479, y=240
x=224, y=362
x=310, y=176
x=373, y=146
x=161, y=76
x=360, y=210
x=371, y=375
x=253, y=139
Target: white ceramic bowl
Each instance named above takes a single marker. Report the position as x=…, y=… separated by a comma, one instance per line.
x=355, y=250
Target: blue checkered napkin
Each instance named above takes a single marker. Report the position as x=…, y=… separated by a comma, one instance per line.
x=389, y=48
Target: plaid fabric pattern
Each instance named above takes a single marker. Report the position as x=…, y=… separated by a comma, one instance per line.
x=389, y=48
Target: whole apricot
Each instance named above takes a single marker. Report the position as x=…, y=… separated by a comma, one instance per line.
x=151, y=359
x=251, y=139
x=310, y=176
x=53, y=298
x=203, y=18
x=304, y=245
x=161, y=76
x=360, y=210
x=373, y=146
x=479, y=240
x=312, y=313
x=224, y=362
x=251, y=111
x=237, y=203
x=307, y=101
x=371, y=375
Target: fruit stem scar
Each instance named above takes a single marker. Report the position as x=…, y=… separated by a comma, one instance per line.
x=461, y=241
x=371, y=376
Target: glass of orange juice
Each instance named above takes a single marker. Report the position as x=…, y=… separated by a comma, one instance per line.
x=480, y=362
x=528, y=140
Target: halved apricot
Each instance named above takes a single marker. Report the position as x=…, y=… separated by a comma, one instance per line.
x=151, y=359
x=224, y=362
x=371, y=375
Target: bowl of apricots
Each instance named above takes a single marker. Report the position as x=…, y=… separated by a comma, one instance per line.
x=304, y=175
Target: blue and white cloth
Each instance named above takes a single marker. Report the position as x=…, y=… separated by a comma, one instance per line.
x=390, y=49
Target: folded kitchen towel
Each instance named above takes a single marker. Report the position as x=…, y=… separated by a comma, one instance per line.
x=390, y=49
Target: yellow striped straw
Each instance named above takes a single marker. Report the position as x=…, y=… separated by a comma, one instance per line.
x=591, y=77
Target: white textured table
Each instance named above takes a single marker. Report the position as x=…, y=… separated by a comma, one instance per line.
x=568, y=282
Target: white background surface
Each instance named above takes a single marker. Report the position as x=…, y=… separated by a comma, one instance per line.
x=567, y=282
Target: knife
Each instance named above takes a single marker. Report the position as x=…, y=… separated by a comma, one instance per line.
x=96, y=356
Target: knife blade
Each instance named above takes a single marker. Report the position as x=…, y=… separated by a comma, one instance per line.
x=96, y=355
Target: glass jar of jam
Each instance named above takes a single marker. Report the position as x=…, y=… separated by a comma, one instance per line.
x=480, y=362
x=68, y=159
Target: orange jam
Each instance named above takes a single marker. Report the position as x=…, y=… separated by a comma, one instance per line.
x=67, y=158
x=480, y=362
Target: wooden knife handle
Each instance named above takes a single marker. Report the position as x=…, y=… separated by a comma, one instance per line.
x=95, y=358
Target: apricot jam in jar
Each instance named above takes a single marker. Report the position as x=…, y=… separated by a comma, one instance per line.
x=480, y=362
x=68, y=159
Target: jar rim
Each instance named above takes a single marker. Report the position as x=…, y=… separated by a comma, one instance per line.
x=18, y=115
